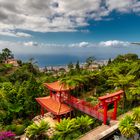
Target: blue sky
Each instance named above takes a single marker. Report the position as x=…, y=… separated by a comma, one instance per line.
x=61, y=26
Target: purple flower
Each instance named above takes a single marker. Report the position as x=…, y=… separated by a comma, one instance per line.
x=6, y=134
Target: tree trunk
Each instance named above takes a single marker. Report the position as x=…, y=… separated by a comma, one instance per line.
x=124, y=99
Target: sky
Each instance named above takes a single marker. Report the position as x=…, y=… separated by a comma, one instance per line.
x=68, y=26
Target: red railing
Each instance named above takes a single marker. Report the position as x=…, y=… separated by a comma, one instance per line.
x=85, y=107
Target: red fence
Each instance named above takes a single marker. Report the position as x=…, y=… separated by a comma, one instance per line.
x=85, y=107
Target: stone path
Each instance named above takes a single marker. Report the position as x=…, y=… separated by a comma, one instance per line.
x=47, y=117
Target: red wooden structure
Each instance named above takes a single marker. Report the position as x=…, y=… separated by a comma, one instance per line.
x=54, y=103
x=108, y=99
x=61, y=102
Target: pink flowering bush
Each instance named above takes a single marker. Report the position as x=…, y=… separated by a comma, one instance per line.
x=7, y=135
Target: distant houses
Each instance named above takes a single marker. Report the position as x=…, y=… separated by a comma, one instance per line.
x=58, y=69
x=12, y=61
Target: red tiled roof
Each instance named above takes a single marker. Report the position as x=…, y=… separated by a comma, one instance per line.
x=57, y=86
x=53, y=106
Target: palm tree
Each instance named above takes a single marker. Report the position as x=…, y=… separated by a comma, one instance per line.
x=135, y=91
x=127, y=127
x=36, y=131
x=84, y=123
x=135, y=69
x=74, y=81
x=122, y=81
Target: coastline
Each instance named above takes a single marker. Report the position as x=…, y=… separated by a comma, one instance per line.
x=82, y=65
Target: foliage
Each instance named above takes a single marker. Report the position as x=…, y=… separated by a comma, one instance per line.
x=77, y=66
x=70, y=66
x=6, y=54
x=71, y=129
x=65, y=128
x=135, y=91
x=93, y=100
x=18, y=99
x=17, y=129
x=126, y=57
x=37, y=131
x=89, y=61
x=127, y=127
x=19, y=87
x=84, y=123
x=136, y=114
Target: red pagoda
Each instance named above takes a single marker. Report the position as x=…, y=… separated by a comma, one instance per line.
x=55, y=102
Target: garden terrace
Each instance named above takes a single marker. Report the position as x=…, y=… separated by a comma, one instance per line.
x=59, y=99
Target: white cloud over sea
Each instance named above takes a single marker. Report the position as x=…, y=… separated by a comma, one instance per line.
x=32, y=47
x=114, y=43
x=57, y=15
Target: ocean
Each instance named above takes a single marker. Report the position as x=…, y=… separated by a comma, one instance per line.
x=63, y=59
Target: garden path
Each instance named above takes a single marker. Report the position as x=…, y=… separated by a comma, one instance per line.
x=104, y=130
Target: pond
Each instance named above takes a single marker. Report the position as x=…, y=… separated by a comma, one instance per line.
x=117, y=136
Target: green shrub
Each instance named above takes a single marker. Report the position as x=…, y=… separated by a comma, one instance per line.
x=8, y=65
x=126, y=127
x=17, y=129
x=11, y=127
x=136, y=114
x=36, y=131
x=93, y=100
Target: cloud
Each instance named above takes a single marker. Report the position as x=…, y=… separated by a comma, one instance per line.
x=58, y=15
x=109, y=43
x=12, y=33
x=21, y=34
x=114, y=43
x=31, y=44
x=83, y=44
x=32, y=47
x=80, y=45
x=119, y=5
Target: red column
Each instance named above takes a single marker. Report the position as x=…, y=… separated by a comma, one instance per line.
x=115, y=110
x=42, y=111
x=50, y=93
x=105, y=112
x=60, y=97
x=58, y=118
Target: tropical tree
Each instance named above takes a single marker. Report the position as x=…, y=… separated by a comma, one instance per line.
x=135, y=69
x=1, y=58
x=77, y=66
x=70, y=66
x=109, y=61
x=74, y=80
x=126, y=57
x=37, y=131
x=89, y=61
x=127, y=127
x=134, y=91
x=122, y=81
x=6, y=53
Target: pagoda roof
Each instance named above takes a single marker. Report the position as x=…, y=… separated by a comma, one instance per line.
x=53, y=106
x=58, y=86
